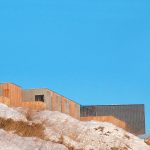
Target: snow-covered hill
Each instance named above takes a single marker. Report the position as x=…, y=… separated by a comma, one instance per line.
x=23, y=129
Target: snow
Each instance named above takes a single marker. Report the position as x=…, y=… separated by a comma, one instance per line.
x=87, y=135
x=10, y=141
x=72, y=133
x=7, y=113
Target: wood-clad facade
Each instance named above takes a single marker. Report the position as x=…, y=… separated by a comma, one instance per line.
x=129, y=117
x=133, y=115
x=39, y=99
x=13, y=92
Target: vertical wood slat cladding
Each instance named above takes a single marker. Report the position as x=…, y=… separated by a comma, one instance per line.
x=34, y=105
x=63, y=105
x=13, y=92
x=78, y=111
x=67, y=107
x=110, y=119
x=49, y=102
x=133, y=115
x=54, y=101
x=59, y=103
x=72, y=109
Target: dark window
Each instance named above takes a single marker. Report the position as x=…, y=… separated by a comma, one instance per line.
x=39, y=98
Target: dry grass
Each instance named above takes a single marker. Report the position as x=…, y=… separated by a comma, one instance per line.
x=127, y=136
x=22, y=128
x=119, y=148
x=147, y=141
x=25, y=129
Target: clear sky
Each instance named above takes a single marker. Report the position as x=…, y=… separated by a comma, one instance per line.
x=91, y=51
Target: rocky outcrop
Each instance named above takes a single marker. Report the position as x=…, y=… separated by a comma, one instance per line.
x=147, y=141
x=49, y=130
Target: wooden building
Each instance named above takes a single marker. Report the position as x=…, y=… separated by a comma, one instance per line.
x=128, y=117
x=133, y=115
x=38, y=99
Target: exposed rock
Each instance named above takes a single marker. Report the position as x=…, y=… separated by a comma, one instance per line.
x=22, y=129
x=9, y=141
x=147, y=141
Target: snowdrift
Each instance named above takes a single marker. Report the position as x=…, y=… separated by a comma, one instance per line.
x=9, y=141
x=24, y=129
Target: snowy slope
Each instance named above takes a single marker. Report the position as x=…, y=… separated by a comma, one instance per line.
x=10, y=141
x=88, y=135
x=7, y=112
x=69, y=132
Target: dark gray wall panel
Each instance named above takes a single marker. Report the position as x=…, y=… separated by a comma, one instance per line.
x=133, y=115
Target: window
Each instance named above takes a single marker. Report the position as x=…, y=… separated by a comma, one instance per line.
x=39, y=98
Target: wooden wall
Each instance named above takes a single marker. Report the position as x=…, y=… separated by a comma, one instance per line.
x=12, y=95
x=52, y=100
x=110, y=119
x=33, y=105
x=64, y=105
x=13, y=92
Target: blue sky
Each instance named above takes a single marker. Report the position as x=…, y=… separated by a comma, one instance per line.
x=94, y=52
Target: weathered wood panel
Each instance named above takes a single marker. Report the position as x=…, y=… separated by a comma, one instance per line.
x=13, y=92
x=109, y=119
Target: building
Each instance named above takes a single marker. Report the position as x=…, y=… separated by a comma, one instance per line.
x=128, y=117
x=38, y=99
x=133, y=115
x=53, y=100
